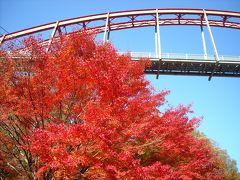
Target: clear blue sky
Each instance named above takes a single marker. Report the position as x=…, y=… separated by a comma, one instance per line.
x=217, y=101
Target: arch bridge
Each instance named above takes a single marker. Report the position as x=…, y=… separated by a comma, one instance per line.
x=171, y=64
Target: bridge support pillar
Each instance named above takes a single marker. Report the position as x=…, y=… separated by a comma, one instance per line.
x=213, y=45
x=106, y=35
x=157, y=42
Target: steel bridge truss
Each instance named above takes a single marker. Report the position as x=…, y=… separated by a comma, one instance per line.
x=107, y=22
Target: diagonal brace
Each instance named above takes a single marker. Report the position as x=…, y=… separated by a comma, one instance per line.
x=213, y=45
x=52, y=35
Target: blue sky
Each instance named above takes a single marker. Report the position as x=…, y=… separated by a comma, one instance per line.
x=217, y=101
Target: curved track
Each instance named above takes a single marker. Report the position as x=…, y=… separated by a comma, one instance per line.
x=134, y=19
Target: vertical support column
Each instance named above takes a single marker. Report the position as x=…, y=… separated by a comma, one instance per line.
x=106, y=30
x=2, y=39
x=213, y=44
x=204, y=43
x=52, y=35
x=158, y=42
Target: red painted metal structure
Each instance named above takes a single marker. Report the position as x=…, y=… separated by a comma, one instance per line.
x=112, y=21
x=134, y=19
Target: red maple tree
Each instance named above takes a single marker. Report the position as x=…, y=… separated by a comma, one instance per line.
x=83, y=111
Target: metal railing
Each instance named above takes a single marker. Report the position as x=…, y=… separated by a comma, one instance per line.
x=173, y=56
x=152, y=55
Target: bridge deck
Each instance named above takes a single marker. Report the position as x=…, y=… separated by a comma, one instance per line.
x=177, y=65
x=189, y=64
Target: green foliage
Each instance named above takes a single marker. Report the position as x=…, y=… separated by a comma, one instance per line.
x=224, y=162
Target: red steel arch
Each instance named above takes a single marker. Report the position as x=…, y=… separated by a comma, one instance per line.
x=136, y=18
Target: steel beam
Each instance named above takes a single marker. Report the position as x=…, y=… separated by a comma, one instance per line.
x=2, y=39
x=218, y=21
x=213, y=45
x=158, y=42
x=106, y=29
x=211, y=36
x=159, y=51
x=193, y=67
x=203, y=43
x=52, y=36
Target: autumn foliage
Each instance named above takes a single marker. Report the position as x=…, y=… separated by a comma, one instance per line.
x=82, y=111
